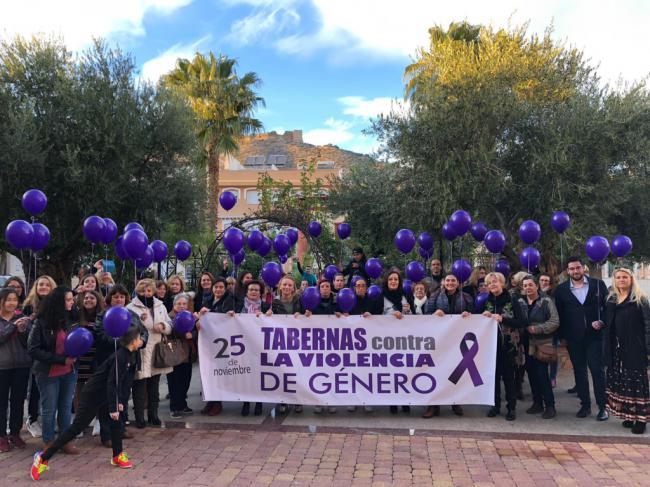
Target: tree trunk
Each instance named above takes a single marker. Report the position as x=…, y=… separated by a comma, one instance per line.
x=213, y=184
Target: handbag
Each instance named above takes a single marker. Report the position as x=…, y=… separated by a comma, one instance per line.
x=546, y=352
x=169, y=352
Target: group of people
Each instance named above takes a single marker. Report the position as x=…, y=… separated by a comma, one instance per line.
x=607, y=333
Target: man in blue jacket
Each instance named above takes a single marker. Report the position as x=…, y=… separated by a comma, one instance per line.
x=580, y=303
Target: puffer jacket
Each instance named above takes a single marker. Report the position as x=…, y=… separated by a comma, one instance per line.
x=146, y=354
x=41, y=346
x=13, y=345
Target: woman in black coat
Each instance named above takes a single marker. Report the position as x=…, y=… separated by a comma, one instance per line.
x=627, y=345
x=327, y=305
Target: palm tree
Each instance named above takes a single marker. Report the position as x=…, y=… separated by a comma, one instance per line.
x=223, y=105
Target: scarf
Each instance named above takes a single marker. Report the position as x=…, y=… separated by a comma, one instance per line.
x=419, y=305
x=148, y=302
x=395, y=297
x=252, y=307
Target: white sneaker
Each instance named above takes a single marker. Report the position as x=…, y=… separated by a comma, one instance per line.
x=331, y=410
x=367, y=409
x=96, y=428
x=352, y=409
x=80, y=435
x=318, y=409
x=34, y=429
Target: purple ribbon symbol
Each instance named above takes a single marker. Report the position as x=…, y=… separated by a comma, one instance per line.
x=467, y=362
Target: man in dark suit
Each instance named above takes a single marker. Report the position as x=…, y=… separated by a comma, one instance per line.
x=580, y=302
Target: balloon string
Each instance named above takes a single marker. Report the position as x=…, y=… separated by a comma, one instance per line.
x=117, y=389
x=598, y=292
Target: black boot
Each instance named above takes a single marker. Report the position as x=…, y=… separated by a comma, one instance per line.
x=493, y=412
x=638, y=428
x=393, y=410
x=139, y=420
x=246, y=409
x=258, y=409
x=511, y=415
x=152, y=416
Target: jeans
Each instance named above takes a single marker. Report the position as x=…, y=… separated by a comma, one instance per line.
x=89, y=407
x=540, y=382
x=13, y=390
x=179, y=383
x=57, y=394
x=588, y=353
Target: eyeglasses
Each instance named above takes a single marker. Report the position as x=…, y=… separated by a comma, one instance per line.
x=360, y=284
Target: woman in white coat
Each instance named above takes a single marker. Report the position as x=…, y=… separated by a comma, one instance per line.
x=154, y=317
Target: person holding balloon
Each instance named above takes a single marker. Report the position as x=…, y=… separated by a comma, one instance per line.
x=43, y=286
x=15, y=363
x=55, y=370
x=627, y=349
x=580, y=304
x=508, y=311
x=356, y=266
x=364, y=305
x=154, y=317
x=102, y=397
x=437, y=275
x=180, y=377
x=326, y=304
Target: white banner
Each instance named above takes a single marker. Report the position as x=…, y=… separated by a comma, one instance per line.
x=324, y=360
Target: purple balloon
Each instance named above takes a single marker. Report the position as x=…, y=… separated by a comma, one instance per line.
x=621, y=245
x=374, y=292
x=116, y=321
x=34, y=201
x=495, y=241
x=415, y=271
x=255, y=239
x=182, y=250
x=41, y=237
x=373, y=267
x=265, y=247
x=407, y=287
x=343, y=230
x=461, y=269
x=448, y=232
x=530, y=232
x=460, y=221
x=183, y=322
x=330, y=271
x=133, y=226
x=94, y=228
x=479, y=302
x=346, y=299
x=478, y=231
x=597, y=248
x=425, y=241
x=502, y=266
x=233, y=240
x=292, y=235
x=19, y=234
x=404, y=240
x=135, y=243
x=560, y=221
x=529, y=258
x=424, y=253
x=227, y=200
x=119, y=248
x=145, y=260
x=77, y=343
x=354, y=280
x=314, y=228
x=272, y=273
x=110, y=231
x=281, y=244
x=160, y=250
x=310, y=298
x=238, y=258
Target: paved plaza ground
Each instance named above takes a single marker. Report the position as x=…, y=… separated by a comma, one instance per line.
x=359, y=449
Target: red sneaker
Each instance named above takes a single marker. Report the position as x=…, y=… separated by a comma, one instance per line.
x=121, y=461
x=39, y=466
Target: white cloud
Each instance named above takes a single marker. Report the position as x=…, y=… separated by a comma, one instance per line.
x=336, y=132
x=612, y=34
x=78, y=21
x=365, y=108
x=269, y=18
x=154, y=68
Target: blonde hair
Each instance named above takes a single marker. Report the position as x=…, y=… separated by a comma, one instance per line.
x=144, y=284
x=518, y=278
x=33, y=299
x=182, y=281
x=495, y=275
x=636, y=293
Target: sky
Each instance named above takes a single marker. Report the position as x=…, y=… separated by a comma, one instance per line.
x=327, y=66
